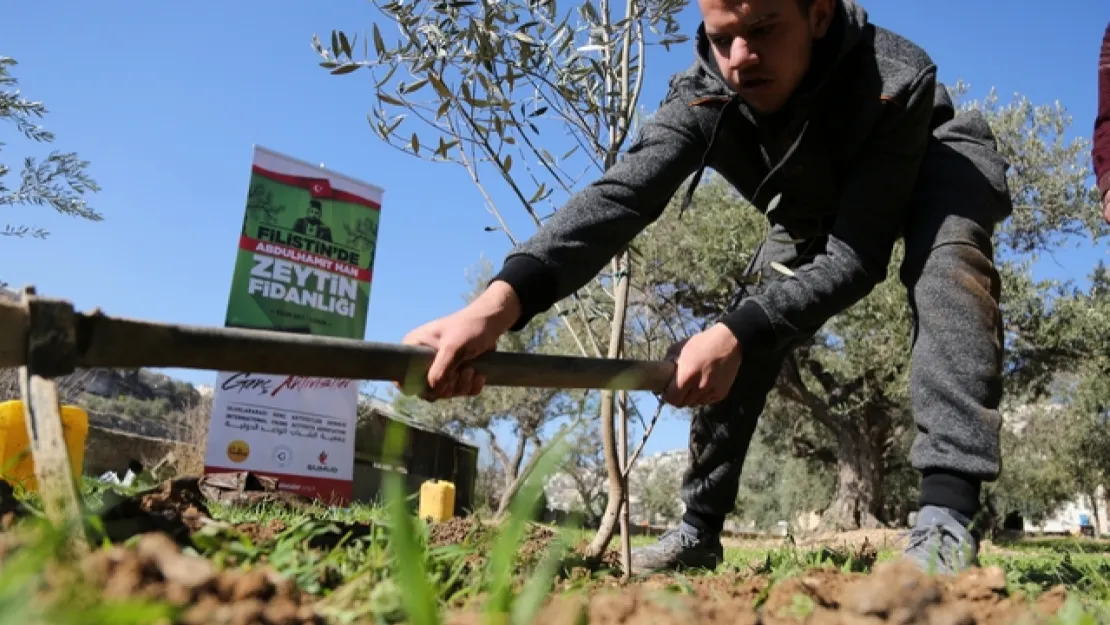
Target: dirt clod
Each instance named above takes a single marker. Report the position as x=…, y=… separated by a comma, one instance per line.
x=280, y=612
x=156, y=569
x=192, y=574
x=123, y=579
x=536, y=542
x=177, y=594
x=261, y=532
x=307, y=614
x=252, y=585
x=225, y=584
x=247, y=611
x=284, y=587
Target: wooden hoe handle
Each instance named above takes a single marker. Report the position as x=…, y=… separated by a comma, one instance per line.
x=58, y=340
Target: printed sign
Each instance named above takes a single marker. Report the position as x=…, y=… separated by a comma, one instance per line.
x=304, y=265
x=297, y=429
x=305, y=253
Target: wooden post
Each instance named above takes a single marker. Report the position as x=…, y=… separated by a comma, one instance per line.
x=51, y=349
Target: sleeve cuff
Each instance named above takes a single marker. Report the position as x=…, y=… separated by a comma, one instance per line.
x=751, y=326
x=534, y=284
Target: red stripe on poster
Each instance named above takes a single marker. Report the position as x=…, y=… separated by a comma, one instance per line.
x=327, y=490
x=318, y=187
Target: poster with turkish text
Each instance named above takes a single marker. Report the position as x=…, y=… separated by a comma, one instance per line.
x=305, y=254
x=303, y=264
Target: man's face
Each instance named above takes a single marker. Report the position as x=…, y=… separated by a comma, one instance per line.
x=763, y=46
x=314, y=211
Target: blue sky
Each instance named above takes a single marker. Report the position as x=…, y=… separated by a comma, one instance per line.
x=166, y=102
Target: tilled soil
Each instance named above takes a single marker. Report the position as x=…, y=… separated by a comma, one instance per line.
x=156, y=569
x=536, y=541
x=457, y=531
x=894, y=593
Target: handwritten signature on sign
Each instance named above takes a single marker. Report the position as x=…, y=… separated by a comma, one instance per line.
x=246, y=383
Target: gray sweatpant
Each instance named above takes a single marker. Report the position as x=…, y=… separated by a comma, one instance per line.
x=953, y=290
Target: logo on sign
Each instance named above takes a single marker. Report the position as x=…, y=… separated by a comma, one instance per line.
x=322, y=467
x=238, y=451
x=283, y=455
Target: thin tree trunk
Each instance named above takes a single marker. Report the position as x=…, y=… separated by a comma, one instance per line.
x=1098, y=505
x=613, y=465
x=514, y=476
x=620, y=119
x=622, y=407
x=622, y=443
x=1093, y=496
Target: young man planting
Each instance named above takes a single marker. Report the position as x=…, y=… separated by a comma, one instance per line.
x=846, y=124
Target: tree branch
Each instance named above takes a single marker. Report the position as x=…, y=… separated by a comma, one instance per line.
x=583, y=123
x=802, y=447
x=640, y=447
x=791, y=386
x=817, y=370
x=498, y=453
x=492, y=208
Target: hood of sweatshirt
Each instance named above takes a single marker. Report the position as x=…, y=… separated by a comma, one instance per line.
x=704, y=81
x=848, y=23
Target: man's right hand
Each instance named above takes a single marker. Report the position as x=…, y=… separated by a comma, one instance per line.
x=461, y=337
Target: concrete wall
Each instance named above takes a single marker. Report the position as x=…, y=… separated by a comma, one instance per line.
x=148, y=428
x=111, y=450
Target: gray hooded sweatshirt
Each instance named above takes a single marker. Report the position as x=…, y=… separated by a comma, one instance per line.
x=843, y=156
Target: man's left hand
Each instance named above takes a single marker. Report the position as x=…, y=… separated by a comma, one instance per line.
x=707, y=364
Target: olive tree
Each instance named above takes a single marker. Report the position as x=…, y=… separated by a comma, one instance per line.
x=494, y=87
x=60, y=180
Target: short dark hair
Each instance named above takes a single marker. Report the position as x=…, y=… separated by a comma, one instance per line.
x=316, y=203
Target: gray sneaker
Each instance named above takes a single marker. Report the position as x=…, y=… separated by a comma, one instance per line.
x=940, y=542
x=681, y=547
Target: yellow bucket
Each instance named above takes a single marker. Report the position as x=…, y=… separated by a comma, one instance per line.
x=16, y=465
x=437, y=501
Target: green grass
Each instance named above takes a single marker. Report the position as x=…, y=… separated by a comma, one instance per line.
x=356, y=513
x=389, y=572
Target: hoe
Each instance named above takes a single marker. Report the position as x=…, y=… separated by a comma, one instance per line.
x=46, y=338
